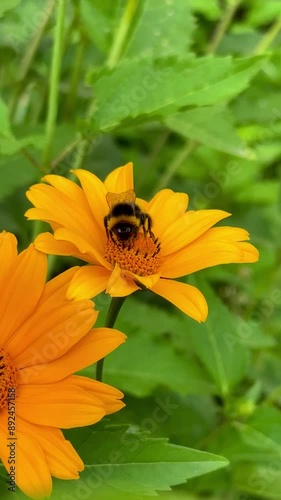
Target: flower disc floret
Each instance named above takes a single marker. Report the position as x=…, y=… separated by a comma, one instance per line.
x=8, y=377
x=140, y=255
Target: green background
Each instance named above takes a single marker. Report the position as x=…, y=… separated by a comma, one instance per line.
x=190, y=91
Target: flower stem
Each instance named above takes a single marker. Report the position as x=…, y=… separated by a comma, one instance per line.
x=268, y=38
x=223, y=25
x=113, y=311
x=28, y=57
x=54, y=85
x=82, y=144
x=121, y=33
x=172, y=167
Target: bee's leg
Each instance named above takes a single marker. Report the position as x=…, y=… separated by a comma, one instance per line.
x=105, y=221
x=148, y=222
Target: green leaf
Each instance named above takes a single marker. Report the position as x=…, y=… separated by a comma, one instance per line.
x=253, y=335
x=211, y=9
x=147, y=88
x=263, y=13
x=218, y=344
x=7, y=494
x=5, y=127
x=7, y=5
x=263, y=480
x=266, y=191
x=256, y=440
x=21, y=24
x=12, y=145
x=137, y=366
x=257, y=106
x=265, y=425
x=17, y=173
x=212, y=126
x=186, y=421
x=99, y=19
x=164, y=28
x=123, y=460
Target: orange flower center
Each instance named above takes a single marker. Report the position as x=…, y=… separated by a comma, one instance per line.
x=8, y=377
x=139, y=254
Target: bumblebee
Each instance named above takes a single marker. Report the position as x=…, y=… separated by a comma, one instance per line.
x=125, y=217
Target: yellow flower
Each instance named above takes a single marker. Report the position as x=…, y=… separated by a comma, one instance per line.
x=184, y=241
x=44, y=339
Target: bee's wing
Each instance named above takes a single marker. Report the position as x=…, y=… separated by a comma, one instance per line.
x=126, y=197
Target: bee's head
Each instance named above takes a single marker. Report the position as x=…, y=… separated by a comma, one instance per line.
x=124, y=230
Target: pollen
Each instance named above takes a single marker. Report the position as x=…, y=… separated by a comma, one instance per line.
x=140, y=254
x=8, y=377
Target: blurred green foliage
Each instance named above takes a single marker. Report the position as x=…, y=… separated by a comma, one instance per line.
x=190, y=91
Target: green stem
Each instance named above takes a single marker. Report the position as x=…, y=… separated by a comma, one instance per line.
x=223, y=25
x=113, y=311
x=172, y=167
x=121, y=33
x=82, y=144
x=64, y=153
x=38, y=227
x=113, y=58
x=74, y=80
x=54, y=85
x=33, y=46
x=29, y=56
x=153, y=159
x=268, y=38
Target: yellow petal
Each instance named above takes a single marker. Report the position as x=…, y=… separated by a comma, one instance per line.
x=217, y=246
x=118, y=286
x=93, y=253
x=22, y=291
x=58, y=333
x=121, y=179
x=70, y=189
x=188, y=228
x=250, y=253
x=56, y=288
x=62, y=404
x=8, y=255
x=105, y=393
x=60, y=207
x=54, y=327
x=46, y=216
x=46, y=242
x=165, y=208
x=230, y=233
x=186, y=297
x=145, y=281
x=94, y=346
x=96, y=195
x=88, y=282
x=62, y=459
x=32, y=472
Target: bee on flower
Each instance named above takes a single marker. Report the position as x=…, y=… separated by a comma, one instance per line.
x=131, y=244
